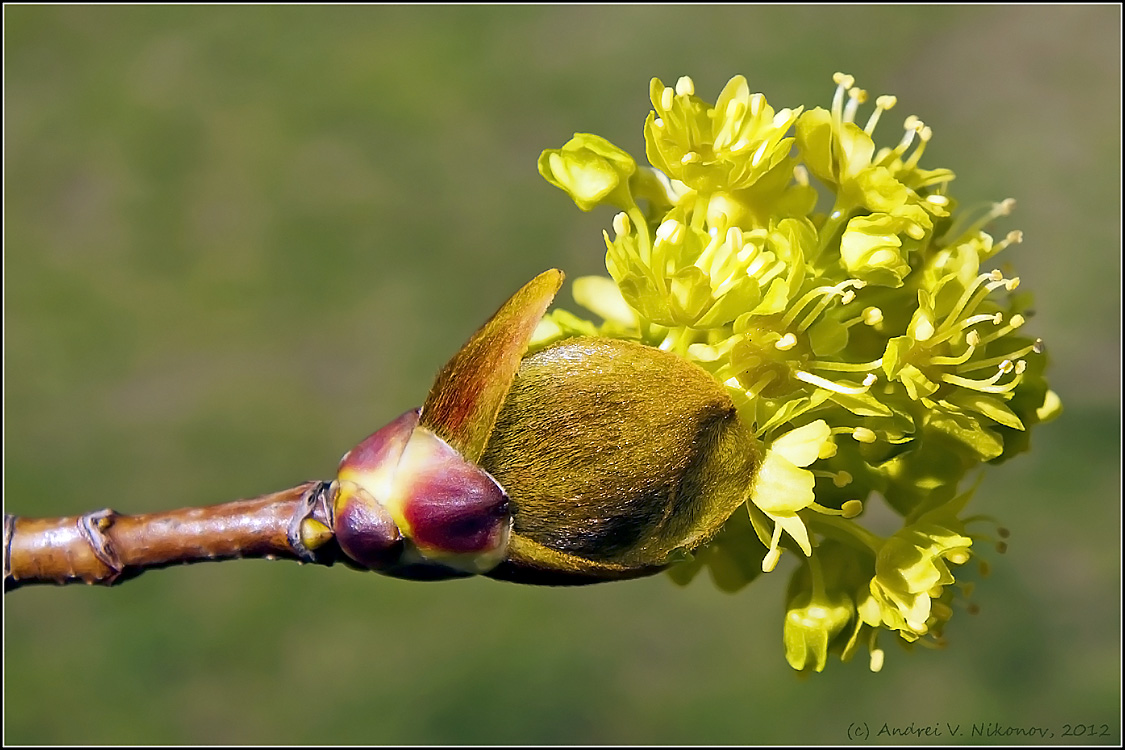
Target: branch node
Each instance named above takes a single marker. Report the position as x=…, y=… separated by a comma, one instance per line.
x=92, y=526
x=315, y=505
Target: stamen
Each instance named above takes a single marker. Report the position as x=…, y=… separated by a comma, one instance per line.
x=950, y=332
x=826, y=293
x=882, y=104
x=1013, y=237
x=991, y=384
x=911, y=130
x=843, y=82
x=801, y=175
x=969, y=298
x=856, y=97
x=848, y=366
x=924, y=135
x=666, y=98
x=872, y=316
x=830, y=511
x=954, y=361
x=1014, y=322
x=769, y=562
x=829, y=385
x=985, y=364
x=839, y=478
x=685, y=86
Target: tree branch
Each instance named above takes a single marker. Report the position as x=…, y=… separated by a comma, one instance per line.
x=106, y=547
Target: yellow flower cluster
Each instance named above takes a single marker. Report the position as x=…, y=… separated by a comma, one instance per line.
x=864, y=344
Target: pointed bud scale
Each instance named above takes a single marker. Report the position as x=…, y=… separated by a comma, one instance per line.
x=468, y=393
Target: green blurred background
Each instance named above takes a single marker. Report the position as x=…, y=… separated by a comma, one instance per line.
x=240, y=239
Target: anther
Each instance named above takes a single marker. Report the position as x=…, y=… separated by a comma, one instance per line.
x=876, y=660
x=863, y=435
x=756, y=102
x=621, y=224
x=669, y=231
x=754, y=160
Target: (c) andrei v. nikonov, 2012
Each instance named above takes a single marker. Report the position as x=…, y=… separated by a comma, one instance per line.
x=762, y=371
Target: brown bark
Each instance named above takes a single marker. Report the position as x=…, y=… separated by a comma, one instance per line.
x=107, y=547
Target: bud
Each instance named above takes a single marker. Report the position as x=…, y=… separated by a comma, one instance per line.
x=592, y=459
